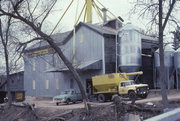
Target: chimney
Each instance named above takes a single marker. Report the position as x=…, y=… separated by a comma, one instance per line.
x=104, y=10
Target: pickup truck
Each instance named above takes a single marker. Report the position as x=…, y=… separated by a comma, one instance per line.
x=67, y=96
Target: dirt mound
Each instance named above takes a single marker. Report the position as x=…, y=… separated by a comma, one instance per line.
x=97, y=113
x=18, y=113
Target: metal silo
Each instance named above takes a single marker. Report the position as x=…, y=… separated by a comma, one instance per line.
x=129, y=48
x=177, y=67
x=169, y=67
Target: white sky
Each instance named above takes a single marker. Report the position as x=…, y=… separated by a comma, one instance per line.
x=117, y=7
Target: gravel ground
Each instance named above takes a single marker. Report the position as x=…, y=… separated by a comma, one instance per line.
x=154, y=97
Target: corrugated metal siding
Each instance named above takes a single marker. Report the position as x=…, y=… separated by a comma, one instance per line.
x=88, y=47
x=17, y=82
x=40, y=76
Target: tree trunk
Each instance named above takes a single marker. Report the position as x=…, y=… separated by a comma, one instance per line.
x=7, y=77
x=57, y=49
x=62, y=56
x=4, y=42
x=161, y=54
x=69, y=65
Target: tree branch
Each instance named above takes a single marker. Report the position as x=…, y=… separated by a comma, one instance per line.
x=168, y=14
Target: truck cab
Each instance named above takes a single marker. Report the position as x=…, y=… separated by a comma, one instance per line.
x=130, y=88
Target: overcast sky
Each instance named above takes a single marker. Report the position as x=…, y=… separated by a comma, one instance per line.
x=118, y=7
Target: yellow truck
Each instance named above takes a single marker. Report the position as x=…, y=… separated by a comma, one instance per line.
x=105, y=86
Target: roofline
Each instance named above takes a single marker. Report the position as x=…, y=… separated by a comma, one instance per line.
x=67, y=38
x=77, y=28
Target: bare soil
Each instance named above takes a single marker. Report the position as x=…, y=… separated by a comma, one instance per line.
x=45, y=108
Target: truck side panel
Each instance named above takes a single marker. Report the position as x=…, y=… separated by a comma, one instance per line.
x=108, y=83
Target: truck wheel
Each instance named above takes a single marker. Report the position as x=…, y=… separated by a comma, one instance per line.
x=101, y=98
x=57, y=103
x=74, y=101
x=68, y=101
x=132, y=95
x=143, y=96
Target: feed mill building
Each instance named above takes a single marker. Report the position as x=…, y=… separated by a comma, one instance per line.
x=93, y=52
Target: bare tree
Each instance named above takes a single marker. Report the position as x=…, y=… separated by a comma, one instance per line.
x=24, y=10
x=9, y=53
x=5, y=41
x=158, y=19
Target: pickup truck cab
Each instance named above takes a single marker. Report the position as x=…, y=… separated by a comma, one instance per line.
x=132, y=89
x=67, y=96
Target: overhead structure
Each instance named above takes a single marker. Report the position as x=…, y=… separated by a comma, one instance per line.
x=87, y=12
x=89, y=4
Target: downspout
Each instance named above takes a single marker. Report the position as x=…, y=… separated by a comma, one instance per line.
x=103, y=55
x=116, y=50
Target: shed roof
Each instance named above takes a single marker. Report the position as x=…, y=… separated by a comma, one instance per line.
x=100, y=29
x=62, y=38
x=58, y=37
x=91, y=64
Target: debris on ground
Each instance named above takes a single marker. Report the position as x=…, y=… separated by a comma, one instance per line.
x=116, y=111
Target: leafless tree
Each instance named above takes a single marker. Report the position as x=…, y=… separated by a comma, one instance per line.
x=28, y=12
x=8, y=51
x=5, y=41
x=159, y=13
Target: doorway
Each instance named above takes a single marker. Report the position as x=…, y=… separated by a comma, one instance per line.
x=89, y=86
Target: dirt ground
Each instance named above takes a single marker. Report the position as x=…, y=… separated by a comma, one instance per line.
x=45, y=108
x=154, y=97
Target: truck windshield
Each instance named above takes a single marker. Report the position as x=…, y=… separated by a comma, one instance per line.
x=66, y=92
x=127, y=83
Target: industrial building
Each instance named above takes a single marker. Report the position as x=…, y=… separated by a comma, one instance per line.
x=93, y=51
x=16, y=86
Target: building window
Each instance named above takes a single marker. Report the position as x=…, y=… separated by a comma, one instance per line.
x=57, y=83
x=81, y=38
x=34, y=84
x=33, y=65
x=47, y=84
x=71, y=83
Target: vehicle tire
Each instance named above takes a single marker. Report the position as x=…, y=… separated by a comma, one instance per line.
x=57, y=103
x=101, y=98
x=144, y=96
x=132, y=95
x=68, y=101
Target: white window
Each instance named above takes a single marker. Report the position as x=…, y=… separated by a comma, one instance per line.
x=33, y=65
x=57, y=84
x=47, y=84
x=81, y=38
x=34, y=84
